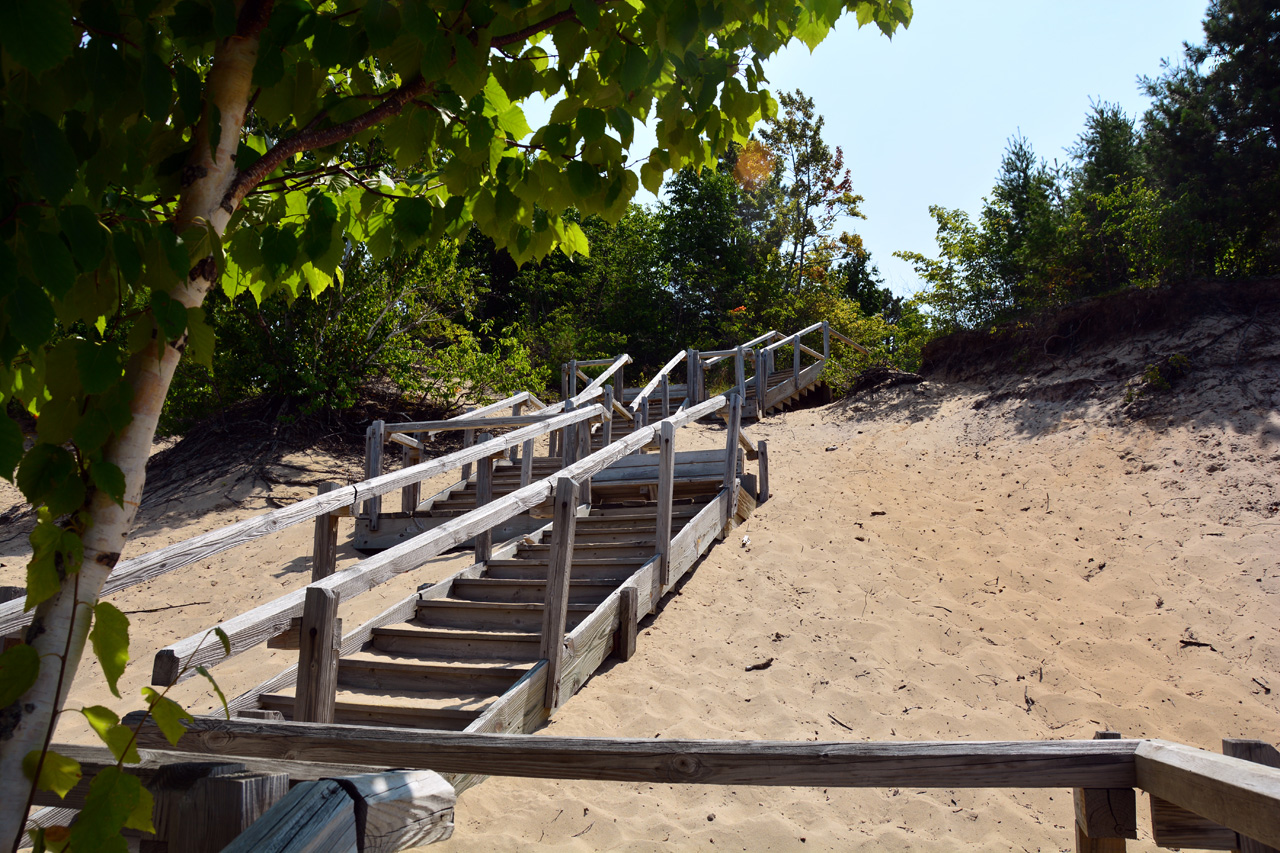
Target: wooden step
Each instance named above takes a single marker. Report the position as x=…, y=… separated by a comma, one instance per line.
x=373, y=669
x=581, y=591
x=592, y=550
x=488, y=615
x=618, y=570
x=458, y=643
x=359, y=709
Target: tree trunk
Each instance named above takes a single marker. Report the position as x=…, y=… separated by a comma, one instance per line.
x=61, y=624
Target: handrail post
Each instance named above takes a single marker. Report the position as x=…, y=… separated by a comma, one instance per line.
x=468, y=439
x=619, y=386
x=762, y=383
x=606, y=424
x=324, y=552
x=795, y=359
x=484, y=494
x=526, y=463
x=516, y=411
x=573, y=377
x=318, y=657
x=411, y=495
x=692, y=361
x=584, y=450
x=740, y=371
x=556, y=606
x=826, y=340
x=375, y=438
x=666, y=491
x=762, y=479
x=1105, y=817
x=568, y=435
x=731, y=449
x=666, y=395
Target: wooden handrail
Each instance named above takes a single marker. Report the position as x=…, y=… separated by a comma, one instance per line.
x=653, y=383
x=859, y=347
x=177, y=661
x=146, y=567
x=937, y=764
x=595, y=385
x=522, y=397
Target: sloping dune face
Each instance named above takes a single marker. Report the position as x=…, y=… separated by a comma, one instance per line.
x=1016, y=558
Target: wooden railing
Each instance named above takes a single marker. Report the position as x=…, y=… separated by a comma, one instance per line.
x=1235, y=800
x=249, y=629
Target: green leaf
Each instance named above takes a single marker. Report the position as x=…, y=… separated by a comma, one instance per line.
x=216, y=689
x=412, y=219
x=37, y=33
x=48, y=475
x=50, y=161
x=574, y=240
x=157, y=88
x=200, y=338
x=224, y=640
x=170, y=314
x=635, y=68
x=31, y=303
x=57, y=772
x=99, y=366
x=116, y=801
x=109, y=479
x=168, y=714
x=119, y=739
x=588, y=13
x=110, y=638
x=86, y=234
x=19, y=667
x=10, y=450
x=590, y=123
x=51, y=262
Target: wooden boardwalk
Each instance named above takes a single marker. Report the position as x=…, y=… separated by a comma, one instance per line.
x=573, y=547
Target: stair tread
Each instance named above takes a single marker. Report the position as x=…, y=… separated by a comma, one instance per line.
x=400, y=700
x=432, y=632
x=392, y=660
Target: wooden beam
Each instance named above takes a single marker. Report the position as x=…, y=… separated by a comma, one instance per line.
x=763, y=460
x=324, y=547
x=318, y=657
x=375, y=439
x=859, y=347
x=666, y=492
x=93, y=759
x=629, y=618
x=201, y=807
x=400, y=809
x=1174, y=826
x=1259, y=752
x=147, y=567
x=555, y=611
x=246, y=630
x=657, y=377
x=1105, y=817
x=1236, y=793
x=291, y=639
x=482, y=411
x=315, y=817
x=938, y=764
x=731, y=445
x=484, y=495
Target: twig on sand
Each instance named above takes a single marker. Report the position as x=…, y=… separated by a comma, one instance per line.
x=838, y=721
x=166, y=607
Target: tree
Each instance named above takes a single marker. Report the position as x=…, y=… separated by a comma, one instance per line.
x=1213, y=140
x=816, y=191
x=155, y=150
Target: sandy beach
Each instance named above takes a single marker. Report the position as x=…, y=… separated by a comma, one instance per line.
x=985, y=561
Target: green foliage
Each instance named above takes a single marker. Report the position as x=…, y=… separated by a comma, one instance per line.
x=1159, y=377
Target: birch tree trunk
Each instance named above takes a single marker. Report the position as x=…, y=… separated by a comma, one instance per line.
x=61, y=624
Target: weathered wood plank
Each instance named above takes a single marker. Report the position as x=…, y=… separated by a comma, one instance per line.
x=1259, y=752
x=937, y=764
x=315, y=817
x=1105, y=817
x=400, y=809
x=629, y=618
x=643, y=397
x=318, y=656
x=1236, y=793
x=555, y=610
x=1174, y=826
x=697, y=536
x=484, y=494
x=763, y=494
x=666, y=491
x=150, y=566
x=248, y=629
x=324, y=547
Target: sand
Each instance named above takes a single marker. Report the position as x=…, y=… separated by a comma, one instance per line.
x=942, y=561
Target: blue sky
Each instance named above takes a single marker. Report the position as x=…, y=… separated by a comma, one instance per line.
x=923, y=119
